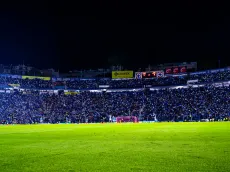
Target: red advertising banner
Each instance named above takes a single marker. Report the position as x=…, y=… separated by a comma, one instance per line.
x=120, y=119
x=168, y=71
x=175, y=70
x=183, y=69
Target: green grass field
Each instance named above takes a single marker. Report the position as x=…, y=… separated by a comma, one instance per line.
x=171, y=147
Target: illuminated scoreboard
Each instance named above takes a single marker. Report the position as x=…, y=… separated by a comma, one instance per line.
x=149, y=74
x=152, y=74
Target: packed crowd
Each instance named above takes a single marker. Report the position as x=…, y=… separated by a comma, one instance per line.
x=212, y=77
x=124, y=83
x=190, y=104
x=26, y=83
x=87, y=107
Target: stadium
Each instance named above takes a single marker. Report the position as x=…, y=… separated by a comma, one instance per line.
x=133, y=121
x=114, y=87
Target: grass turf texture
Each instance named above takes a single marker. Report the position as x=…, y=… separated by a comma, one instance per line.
x=116, y=147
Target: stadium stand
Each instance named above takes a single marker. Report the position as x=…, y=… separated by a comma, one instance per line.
x=81, y=84
x=37, y=101
x=186, y=104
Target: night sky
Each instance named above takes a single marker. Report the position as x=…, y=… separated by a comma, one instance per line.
x=67, y=36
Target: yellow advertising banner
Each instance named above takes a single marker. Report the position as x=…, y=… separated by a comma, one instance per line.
x=71, y=93
x=36, y=77
x=122, y=74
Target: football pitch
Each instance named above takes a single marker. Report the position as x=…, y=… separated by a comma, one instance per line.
x=169, y=147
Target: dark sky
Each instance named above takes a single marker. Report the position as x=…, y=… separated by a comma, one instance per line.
x=75, y=36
